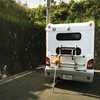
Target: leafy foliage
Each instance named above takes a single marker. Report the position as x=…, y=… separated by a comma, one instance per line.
x=20, y=41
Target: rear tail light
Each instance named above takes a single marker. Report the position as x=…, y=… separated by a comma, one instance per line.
x=47, y=61
x=90, y=64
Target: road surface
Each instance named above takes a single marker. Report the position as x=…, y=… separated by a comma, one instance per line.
x=35, y=86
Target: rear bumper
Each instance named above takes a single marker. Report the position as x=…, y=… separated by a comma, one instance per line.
x=83, y=76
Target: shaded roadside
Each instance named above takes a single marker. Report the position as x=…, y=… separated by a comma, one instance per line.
x=86, y=89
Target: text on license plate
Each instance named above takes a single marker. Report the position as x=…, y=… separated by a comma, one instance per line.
x=68, y=77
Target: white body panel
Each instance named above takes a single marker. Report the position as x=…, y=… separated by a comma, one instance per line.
x=72, y=66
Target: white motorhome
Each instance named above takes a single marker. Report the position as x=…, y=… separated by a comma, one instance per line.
x=70, y=51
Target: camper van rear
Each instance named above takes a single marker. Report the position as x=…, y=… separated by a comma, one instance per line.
x=70, y=51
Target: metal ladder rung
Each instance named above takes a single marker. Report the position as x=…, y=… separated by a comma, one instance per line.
x=64, y=55
x=68, y=63
x=54, y=55
x=67, y=48
x=68, y=67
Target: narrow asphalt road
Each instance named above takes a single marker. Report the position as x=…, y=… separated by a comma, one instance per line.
x=35, y=86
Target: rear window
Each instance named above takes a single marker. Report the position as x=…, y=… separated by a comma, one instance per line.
x=68, y=36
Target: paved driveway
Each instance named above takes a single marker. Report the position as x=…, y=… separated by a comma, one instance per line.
x=35, y=86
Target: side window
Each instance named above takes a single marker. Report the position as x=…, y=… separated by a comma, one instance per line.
x=67, y=50
x=68, y=36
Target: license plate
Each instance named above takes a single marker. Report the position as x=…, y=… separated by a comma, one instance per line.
x=67, y=77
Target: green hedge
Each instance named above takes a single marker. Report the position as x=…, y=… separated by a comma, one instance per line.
x=21, y=47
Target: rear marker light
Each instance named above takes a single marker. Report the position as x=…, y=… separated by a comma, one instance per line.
x=90, y=24
x=49, y=26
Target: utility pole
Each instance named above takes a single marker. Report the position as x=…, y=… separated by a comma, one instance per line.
x=48, y=12
x=39, y=2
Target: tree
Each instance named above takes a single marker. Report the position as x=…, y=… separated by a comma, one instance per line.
x=25, y=4
x=62, y=4
x=53, y=2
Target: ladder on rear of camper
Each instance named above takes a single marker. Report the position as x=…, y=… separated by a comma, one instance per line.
x=73, y=55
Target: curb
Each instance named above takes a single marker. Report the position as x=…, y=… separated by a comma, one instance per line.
x=11, y=78
x=97, y=71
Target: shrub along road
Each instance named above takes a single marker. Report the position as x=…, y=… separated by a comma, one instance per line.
x=35, y=86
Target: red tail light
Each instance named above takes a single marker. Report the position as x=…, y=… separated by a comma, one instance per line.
x=90, y=64
x=47, y=61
